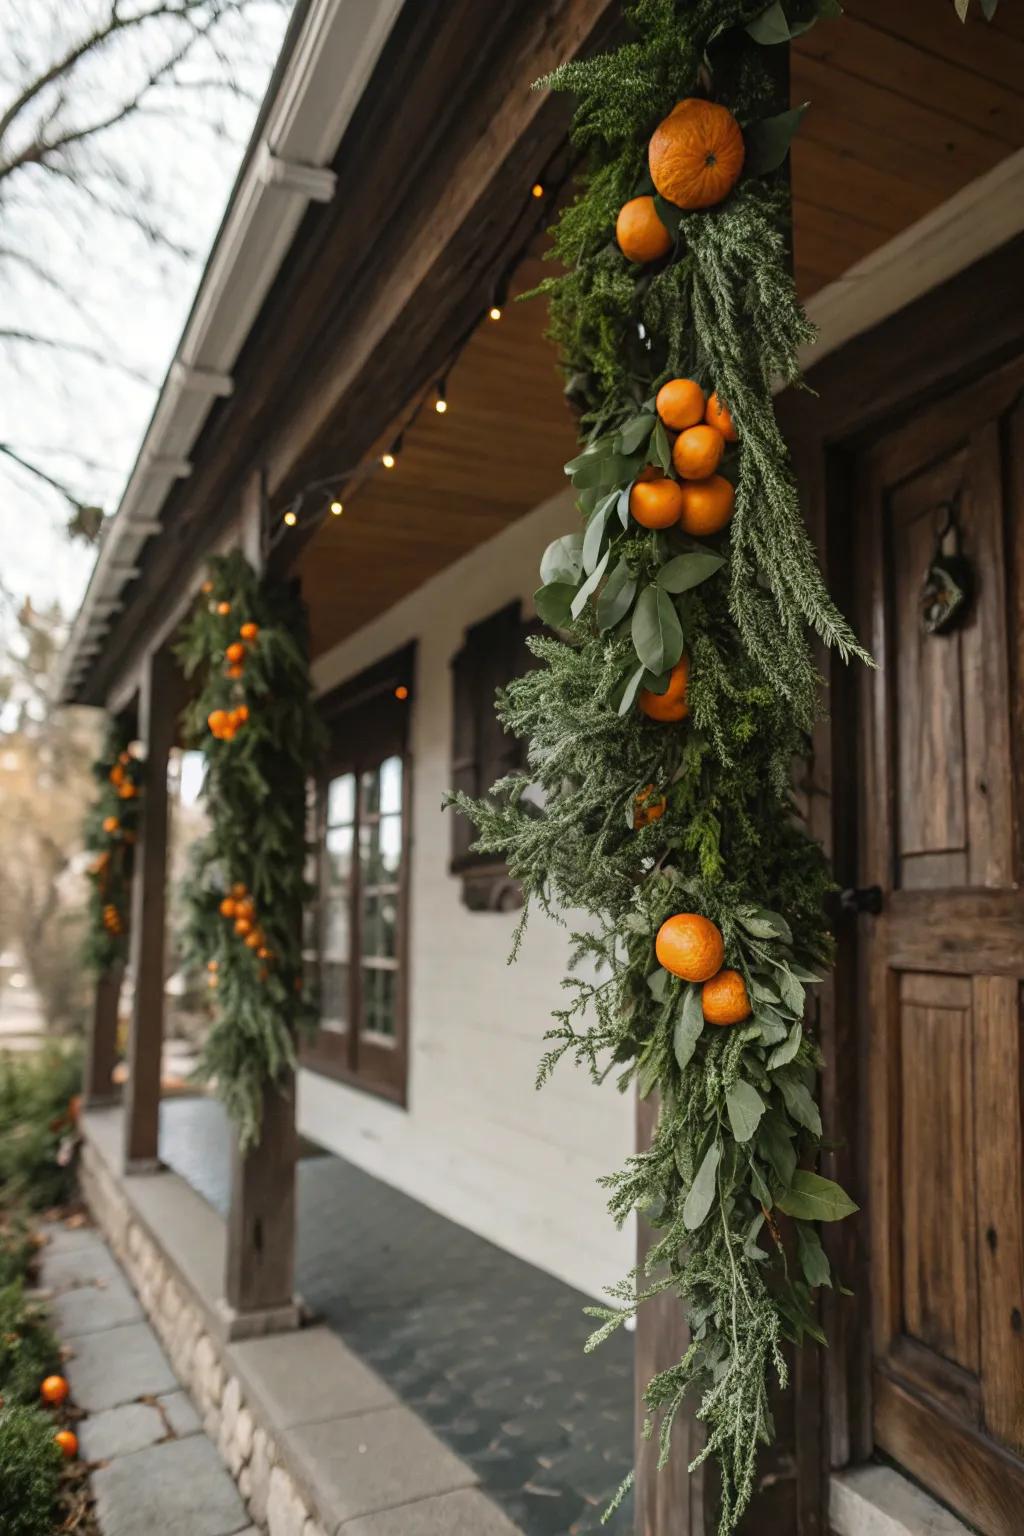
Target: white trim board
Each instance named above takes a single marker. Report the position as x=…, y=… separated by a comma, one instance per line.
x=978, y=219
x=876, y=1501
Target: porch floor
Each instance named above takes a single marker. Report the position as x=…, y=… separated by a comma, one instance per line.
x=485, y=1348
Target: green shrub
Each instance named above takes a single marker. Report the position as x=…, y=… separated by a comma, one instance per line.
x=16, y=1249
x=28, y=1350
x=29, y=1472
x=34, y=1095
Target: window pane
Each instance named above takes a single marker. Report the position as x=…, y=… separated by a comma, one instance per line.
x=379, y=935
x=369, y=785
x=390, y=846
x=336, y=927
x=341, y=800
x=380, y=994
x=334, y=996
x=391, y=786
x=338, y=865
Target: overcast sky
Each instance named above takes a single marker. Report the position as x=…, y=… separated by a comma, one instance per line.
x=117, y=293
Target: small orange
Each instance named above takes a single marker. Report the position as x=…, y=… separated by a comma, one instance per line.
x=227, y=907
x=707, y=505
x=127, y=790
x=206, y=588
x=690, y=946
x=217, y=719
x=54, y=1389
x=649, y=807
x=697, y=452
x=116, y=775
x=233, y=671
x=725, y=998
x=670, y=705
x=717, y=415
x=239, y=890
x=680, y=403
x=223, y=609
x=263, y=953
x=656, y=503
x=640, y=233
x=242, y=713
x=249, y=630
x=245, y=907
x=213, y=965
x=235, y=652
x=68, y=1442
x=696, y=154
x=243, y=925
x=254, y=940
x=110, y=824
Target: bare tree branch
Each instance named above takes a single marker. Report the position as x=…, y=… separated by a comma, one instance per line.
x=79, y=348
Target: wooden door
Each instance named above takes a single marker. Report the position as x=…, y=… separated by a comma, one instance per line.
x=941, y=967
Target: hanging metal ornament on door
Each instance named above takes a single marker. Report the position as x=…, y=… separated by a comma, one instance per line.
x=949, y=582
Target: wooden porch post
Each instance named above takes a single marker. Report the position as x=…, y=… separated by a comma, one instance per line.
x=101, y=1041
x=160, y=700
x=260, y=1269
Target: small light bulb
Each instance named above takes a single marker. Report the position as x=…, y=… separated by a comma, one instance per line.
x=337, y=508
x=537, y=190
x=388, y=460
x=290, y=518
x=495, y=312
x=440, y=406
x=401, y=692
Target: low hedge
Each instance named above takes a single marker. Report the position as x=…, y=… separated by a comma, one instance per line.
x=30, y=1466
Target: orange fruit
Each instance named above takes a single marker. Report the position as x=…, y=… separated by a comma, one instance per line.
x=690, y=946
x=233, y=671
x=725, y=998
x=127, y=791
x=697, y=452
x=239, y=889
x=263, y=953
x=707, y=505
x=245, y=907
x=249, y=630
x=640, y=233
x=54, y=1389
x=696, y=154
x=68, y=1442
x=656, y=503
x=116, y=774
x=235, y=652
x=206, y=588
x=649, y=806
x=110, y=824
x=670, y=705
x=217, y=719
x=242, y=713
x=223, y=609
x=680, y=403
x=213, y=965
x=254, y=940
x=243, y=925
x=718, y=416
x=227, y=907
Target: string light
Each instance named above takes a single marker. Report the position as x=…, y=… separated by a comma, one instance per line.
x=390, y=458
x=537, y=190
x=401, y=692
x=495, y=312
x=441, y=403
x=290, y=518
x=337, y=508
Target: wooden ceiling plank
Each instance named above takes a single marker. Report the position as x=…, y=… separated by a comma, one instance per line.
x=993, y=50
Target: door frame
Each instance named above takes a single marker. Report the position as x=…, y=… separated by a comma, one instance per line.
x=950, y=337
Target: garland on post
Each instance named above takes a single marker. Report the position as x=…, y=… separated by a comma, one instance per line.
x=254, y=720
x=111, y=830
x=666, y=716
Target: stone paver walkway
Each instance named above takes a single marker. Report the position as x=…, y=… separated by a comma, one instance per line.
x=154, y=1470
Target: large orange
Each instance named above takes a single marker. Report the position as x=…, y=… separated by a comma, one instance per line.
x=656, y=503
x=680, y=403
x=725, y=1000
x=707, y=506
x=718, y=415
x=54, y=1389
x=640, y=233
x=68, y=1442
x=690, y=946
x=697, y=452
x=670, y=705
x=696, y=154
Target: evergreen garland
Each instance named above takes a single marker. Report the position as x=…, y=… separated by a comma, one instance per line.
x=111, y=830
x=643, y=820
x=255, y=722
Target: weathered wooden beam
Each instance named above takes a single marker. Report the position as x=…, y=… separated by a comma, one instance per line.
x=260, y=1274
x=98, y=1087
x=160, y=698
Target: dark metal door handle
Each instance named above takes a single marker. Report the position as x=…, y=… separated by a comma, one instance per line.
x=864, y=898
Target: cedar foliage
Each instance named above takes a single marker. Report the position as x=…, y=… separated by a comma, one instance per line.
x=255, y=788
x=726, y=1181
x=30, y=1464
x=109, y=872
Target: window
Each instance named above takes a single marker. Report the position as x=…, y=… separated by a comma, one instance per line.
x=358, y=926
x=493, y=653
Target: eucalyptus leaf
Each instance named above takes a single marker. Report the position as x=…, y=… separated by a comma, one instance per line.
x=603, y=448
x=813, y=1260
x=630, y=691
x=623, y=505
x=812, y=1198
x=793, y=994
x=603, y=472
x=636, y=432
x=616, y=597
x=775, y=1145
x=759, y=1187
x=661, y=448
x=563, y=560
x=760, y=923
x=799, y=1102
x=768, y=141
x=689, y=1026
x=658, y=983
x=745, y=1107
x=685, y=571
x=593, y=538
x=702, y=1191
x=668, y=213
x=657, y=632
x=773, y=26
x=785, y=1052
x=591, y=584
x=554, y=603
x=770, y=1031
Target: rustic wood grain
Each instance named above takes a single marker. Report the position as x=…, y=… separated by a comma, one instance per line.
x=101, y=1040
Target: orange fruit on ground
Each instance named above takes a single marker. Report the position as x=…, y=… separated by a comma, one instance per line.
x=717, y=416
x=223, y=609
x=697, y=452
x=110, y=823
x=235, y=652
x=68, y=1442
x=690, y=946
x=649, y=807
x=217, y=719
x=54, y=1389
x=696, y=154
x=656, y=503
x=670, y=705
x=680, y=403
x=725, y=999
x=640, y=233
x=707, y=505
x=227, y=907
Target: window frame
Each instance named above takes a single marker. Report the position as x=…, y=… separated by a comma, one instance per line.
x=366, y=724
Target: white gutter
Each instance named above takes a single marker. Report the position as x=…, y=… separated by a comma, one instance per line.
x=329, y=68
